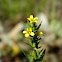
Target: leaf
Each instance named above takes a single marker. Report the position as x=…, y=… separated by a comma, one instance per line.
x=38, y=26
x=24, y=24
x=42, y=37
x=28, y=44
x=39, y=47
x=38, y=36
x=41, y=56
x=40, y=51
x=35, y=31
x=26, y=54
x=37, y=53
x=38, y=41
x=28, y=23
x=35, y=48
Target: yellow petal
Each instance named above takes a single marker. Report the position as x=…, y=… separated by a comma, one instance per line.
x=35, y=21
x=31, y=16
x=30, y=29
x=27, y=35
x=24, y=31
x=35, y=18
x=32, y=33
x=29, y=19
x=41, y=32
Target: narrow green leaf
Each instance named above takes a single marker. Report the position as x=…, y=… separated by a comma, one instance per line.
x=38, y=41
x=28, y=44
x=42, y=37
x=24, y=24
x=38, y=26
x=38, y=36
x=39, y=47
x=40, y=51
x=28, y=23
x=26, y=54
x=35, y=31
x=41, y=56
x=35, y=48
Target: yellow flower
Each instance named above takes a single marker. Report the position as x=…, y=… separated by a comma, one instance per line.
x=39, y=33
x=32, y=20
x=28, y=32
x=15, y=49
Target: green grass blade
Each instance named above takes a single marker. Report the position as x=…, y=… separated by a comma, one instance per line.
x=38, y=26
x=28, y=44
x=24, y=24
x=28, y=23
x=40, y=51
x=26, y=54
x=42, y=37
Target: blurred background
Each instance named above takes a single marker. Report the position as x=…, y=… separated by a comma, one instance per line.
x=12, y=12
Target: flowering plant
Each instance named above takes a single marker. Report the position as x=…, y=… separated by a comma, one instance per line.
x=33, y=34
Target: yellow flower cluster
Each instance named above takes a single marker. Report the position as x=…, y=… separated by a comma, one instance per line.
x=33, y=34
x=32, y=20
x=29, y=31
